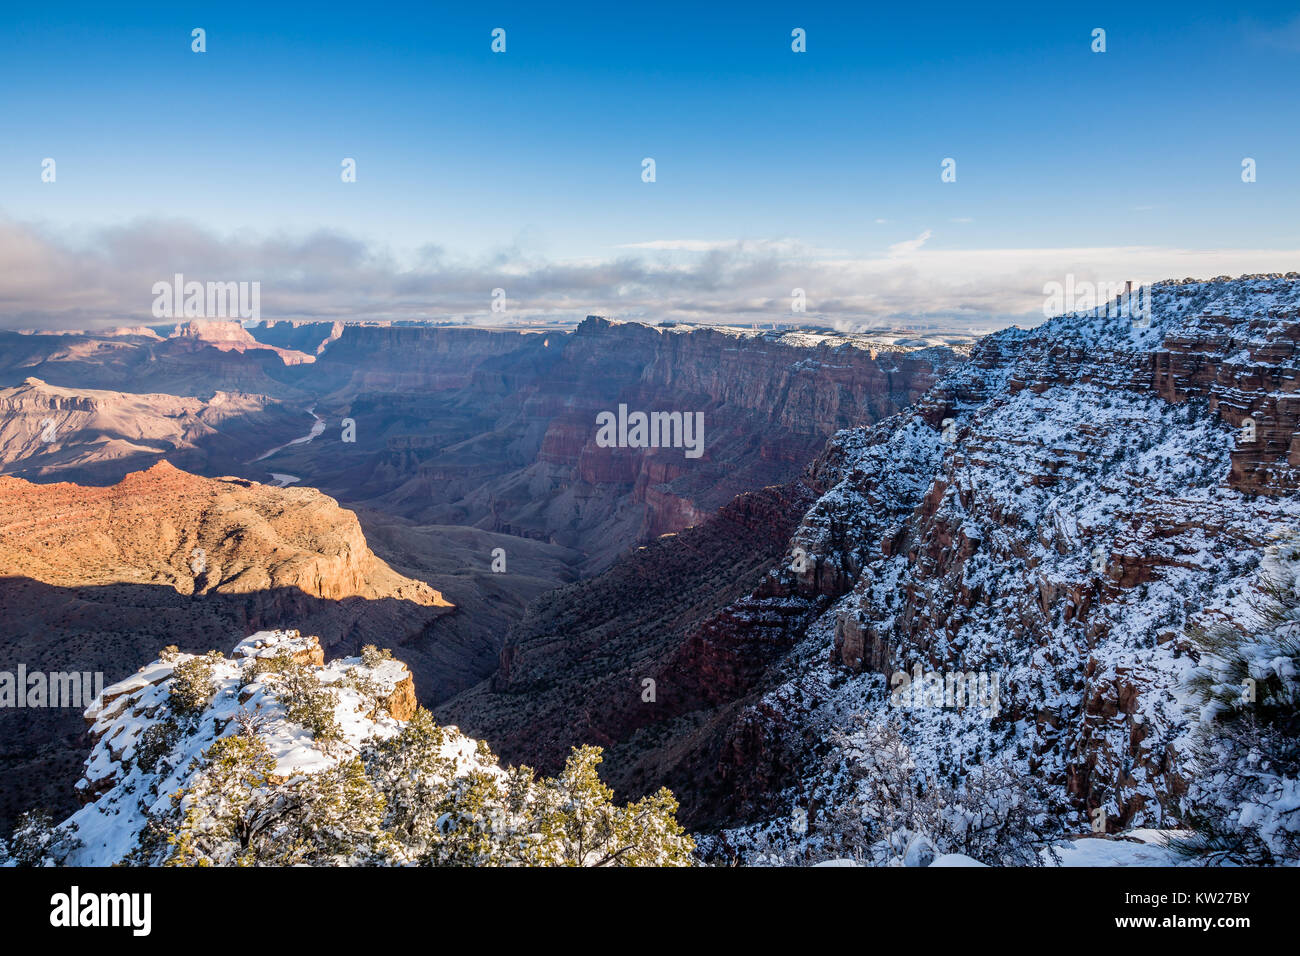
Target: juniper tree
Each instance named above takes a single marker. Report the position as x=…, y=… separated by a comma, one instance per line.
x=582, y=826
x=1246, y=755
x=36, y=841
x=991, y=813
x=309, y=702
x=411, y=771
x=192, y=686
x=233, y=813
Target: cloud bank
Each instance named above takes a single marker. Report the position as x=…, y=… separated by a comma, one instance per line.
x=51, y=280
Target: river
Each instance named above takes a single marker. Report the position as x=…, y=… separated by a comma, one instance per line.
x=280, y=479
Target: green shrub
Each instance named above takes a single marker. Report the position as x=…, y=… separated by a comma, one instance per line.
x=192, y=685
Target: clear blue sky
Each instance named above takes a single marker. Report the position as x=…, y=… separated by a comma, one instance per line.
x=456, y=144
x=542, y=146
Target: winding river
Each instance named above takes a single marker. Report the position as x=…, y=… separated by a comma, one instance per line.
x=280, y=479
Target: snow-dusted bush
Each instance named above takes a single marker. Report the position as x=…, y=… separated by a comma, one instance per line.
x=230, y=815
x=897, y=816
x=270, y=759
x=192, y=685
x=309, y=702
x=36, y=841
x=487, y=816
x=1244, y=798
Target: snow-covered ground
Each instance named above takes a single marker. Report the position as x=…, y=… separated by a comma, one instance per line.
x=130, y=786
x=1062, y=538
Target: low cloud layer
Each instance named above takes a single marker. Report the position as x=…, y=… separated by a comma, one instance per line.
x=51, y=280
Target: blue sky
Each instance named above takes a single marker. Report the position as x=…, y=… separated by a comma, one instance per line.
x=532, y=158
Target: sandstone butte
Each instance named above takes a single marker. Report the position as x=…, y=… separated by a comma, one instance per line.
x=197, y=535
x=229, y=335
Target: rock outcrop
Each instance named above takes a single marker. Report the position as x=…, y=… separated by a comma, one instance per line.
x=140, y=744
x=95, y=436
x=229, y=335
x=309, y=338
x=195, y=535
x=93, y=578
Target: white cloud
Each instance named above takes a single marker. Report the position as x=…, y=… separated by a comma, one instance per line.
x=909, y=246
x=52, y=281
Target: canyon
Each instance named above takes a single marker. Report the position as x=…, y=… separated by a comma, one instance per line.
x=491, y=429
x=497, y=429
x=474, y=487
x=97, y=436
x=1059, y=508
x=1058, y=511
